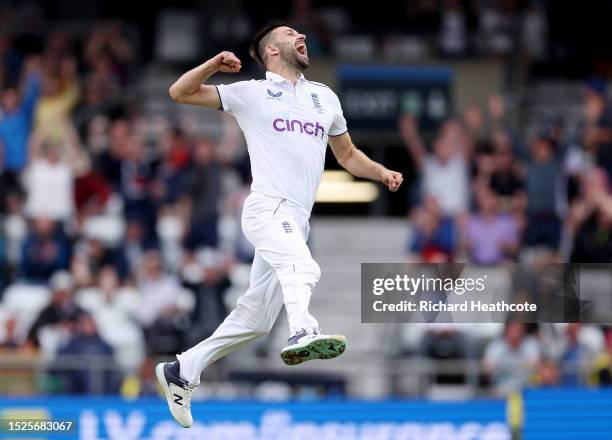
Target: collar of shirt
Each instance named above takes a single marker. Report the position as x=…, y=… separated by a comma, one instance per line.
x=275, y=77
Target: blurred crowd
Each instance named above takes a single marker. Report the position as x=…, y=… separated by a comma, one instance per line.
x=412, y=29
x=488, y=195
x=122, y=229
x=503, y=359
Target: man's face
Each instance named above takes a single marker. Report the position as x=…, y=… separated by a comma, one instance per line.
x=10, y=100
x=514, y=334
x=541, y=150
x=291, y=46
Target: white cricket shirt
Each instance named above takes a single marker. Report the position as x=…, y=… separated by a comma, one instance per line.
x=286, y=128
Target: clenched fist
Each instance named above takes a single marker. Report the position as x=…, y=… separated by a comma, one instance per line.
x=392, y=179
x=228, y=62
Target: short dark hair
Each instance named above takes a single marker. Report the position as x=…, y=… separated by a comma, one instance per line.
x=256, y=50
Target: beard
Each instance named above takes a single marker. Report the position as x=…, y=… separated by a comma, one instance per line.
x=291, y=56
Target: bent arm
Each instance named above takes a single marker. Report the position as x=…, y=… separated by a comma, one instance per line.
x=188, y=89
x=358, y=164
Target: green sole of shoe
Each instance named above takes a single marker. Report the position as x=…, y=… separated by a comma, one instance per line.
x=327, y=348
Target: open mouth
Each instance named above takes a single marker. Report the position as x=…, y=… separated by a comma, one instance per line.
x=301, y=49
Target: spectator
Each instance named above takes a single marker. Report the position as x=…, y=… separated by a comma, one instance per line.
x=446, y=343
x=97, y=137
x=108, y=160
x=543, y=171
x=92, y=192
x=444, y=174
x=575, y=356
x=507, y=183
x=17, y=119
x=137, y=174
x=51, y=171
x=598, y=117
x=511, y=360
x=96, y=255
x=62, y=311
x=102, y=83
x=86, y=342
x=60, y=93
x=491, y=237
x=547, y=374
x=164, y=314
x=11, y=340
x=202, y=187
x=542, y=177
x=44, y=251
x=591, y=219
x=14, y=379
x=122, y=300
x=14, y=230
x=170, y=174
x=130, y=253
x=108, y=42
x=434, y=235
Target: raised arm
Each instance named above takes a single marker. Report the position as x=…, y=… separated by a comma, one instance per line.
x=413, y=142
x=188, y=89
x=358, y=164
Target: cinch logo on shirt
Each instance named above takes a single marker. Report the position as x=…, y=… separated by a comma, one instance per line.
x=309, y=128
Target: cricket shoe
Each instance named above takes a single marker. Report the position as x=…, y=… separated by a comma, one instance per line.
x=177, y=390
x=308, y=344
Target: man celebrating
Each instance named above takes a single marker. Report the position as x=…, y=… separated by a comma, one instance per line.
x=287, y=122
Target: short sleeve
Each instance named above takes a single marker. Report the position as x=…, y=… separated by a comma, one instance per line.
x=235, y=97
x=338, y=126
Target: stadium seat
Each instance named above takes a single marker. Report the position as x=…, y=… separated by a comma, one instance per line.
x=177, y=37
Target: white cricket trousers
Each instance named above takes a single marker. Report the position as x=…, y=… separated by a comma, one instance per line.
x=283, y=271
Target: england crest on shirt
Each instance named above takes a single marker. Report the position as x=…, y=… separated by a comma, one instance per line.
x=316, y=104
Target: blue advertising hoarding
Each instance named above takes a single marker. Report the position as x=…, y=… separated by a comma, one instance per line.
x=568, y=414
x=117, y=419
x=551, y=414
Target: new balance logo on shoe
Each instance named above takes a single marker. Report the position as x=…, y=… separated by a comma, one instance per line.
x=287, y=227
x=178, y=399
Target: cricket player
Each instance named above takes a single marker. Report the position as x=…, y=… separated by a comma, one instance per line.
x=287, y=121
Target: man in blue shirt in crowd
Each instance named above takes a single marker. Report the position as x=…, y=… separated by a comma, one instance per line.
x=16, y=119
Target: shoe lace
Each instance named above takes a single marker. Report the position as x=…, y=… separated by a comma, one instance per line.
x=305, y=331
x=188, y=394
